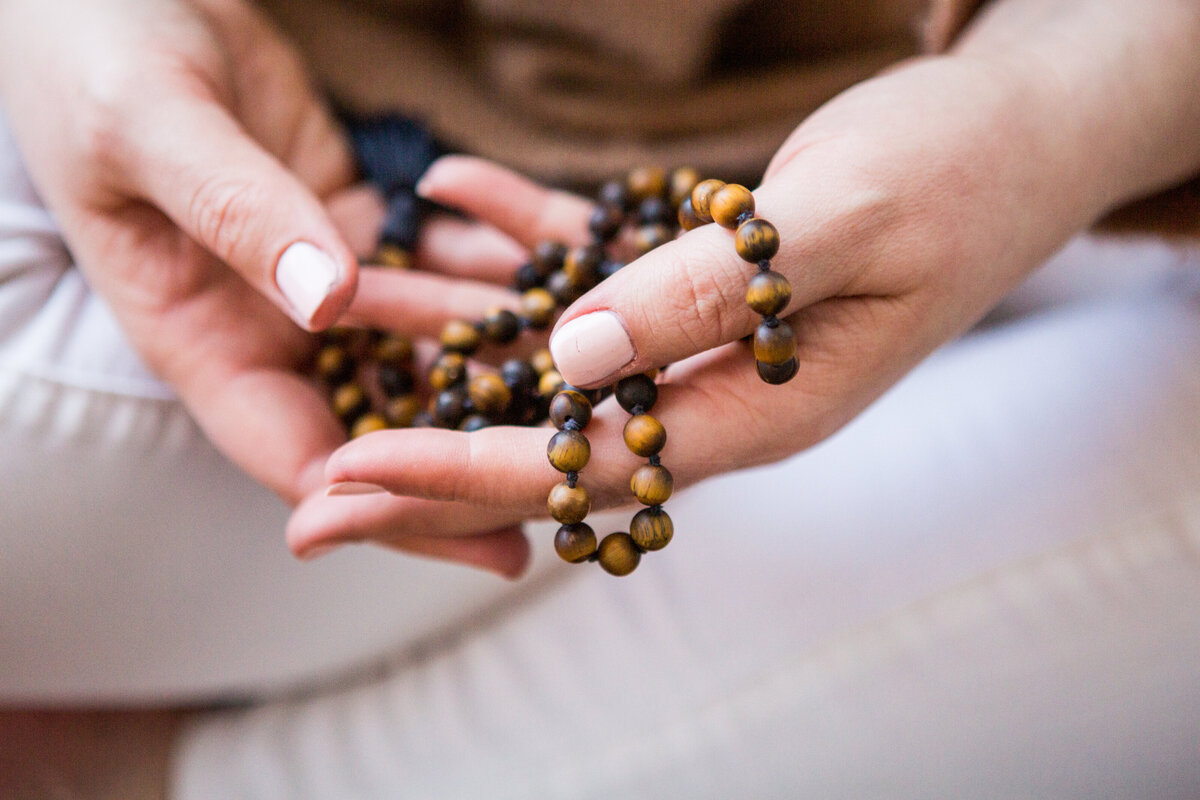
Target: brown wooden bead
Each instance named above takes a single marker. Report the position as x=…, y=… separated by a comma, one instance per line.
x=449, y=370
x=368, y=423
x=450, y=407
x=618, y=555
x=774, y=344
x=350, y=401
x=501, y=325
x=575, y=543
x=729, y=203
x=395, y=350
x=776, y=374
x=756, y=240
x=570, y=405
x=334, y=365
x=541, y=361
x=651, y=529
x=637, y=391
x=569, y=504
x=548, y=256
x=392, y=255
x=551, y=383
x=538, y=306
x=646, y=182
x=489, y=394
x=768, y=293
x=582, y=265
x=644, y=435
x=652, y=484
x=400, y=411
x=568, y=451
x=702, y=196
x=687, y=217
x=683, y=180
x=460, y=337
x=650, y=237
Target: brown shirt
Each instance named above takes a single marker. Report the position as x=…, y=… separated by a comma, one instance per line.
x=575, y=92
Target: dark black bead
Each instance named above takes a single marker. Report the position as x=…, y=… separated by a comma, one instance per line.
x=527, y=278
x=564, y=291
x=609, y=268
x=548, y=256
x=637, y=391
x=519, y=376
x=605, y=222
x=614, y=193
x=655, y=211
x=501, y=326
x=776, y=374
x=450, y=408
x=474, y=423
x=423, y=419
x=395, y=380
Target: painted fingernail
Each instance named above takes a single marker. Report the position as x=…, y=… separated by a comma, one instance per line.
x=590, y=348
x=306, y=275
x=320, y=550
x=428, y=181
x=351, y=488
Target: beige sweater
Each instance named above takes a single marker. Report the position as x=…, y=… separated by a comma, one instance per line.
x=573, y=92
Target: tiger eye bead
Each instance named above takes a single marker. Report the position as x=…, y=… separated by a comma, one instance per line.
x=422, y=420
x=368, y=423
x=575, y=543
x=729, y=203
x=501, y=325
x=683, y=180
x=568, y=451
x=473, y=423
x=569, y=504
x=568, y=405
x=393, y=350
x=776, y=374
x=460, y=337
x=548, y=256
x=564, y=291
x=687, y=217
x=702, y=196
x=605, y=221
x=527, y=278
x=334, y=365
x=450, y=407
x=449, y=370
x=541, y=360
x=756, y=240
x=768, y=293
x=519, y=376
x=538, y=307
x=774, y=344
x=652, y=484
x=489, y=394
x=646, y=182
x=350, y=402
x=614, y=193
x=582, y=265
x=651, y=529
x=654, y=211
x=401, y=411
x=650, y=237
x=618, y=554
x=550, y=383
x=395, y=380
x=637, y=390
x=393, y=255
x=644, y=435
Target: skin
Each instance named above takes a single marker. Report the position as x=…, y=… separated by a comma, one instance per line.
x=908, y=207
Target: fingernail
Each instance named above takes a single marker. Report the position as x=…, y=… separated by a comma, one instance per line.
x=349, y=488
x=590, y=348
x=425, y=184
x=320, y=550
x=306, y=275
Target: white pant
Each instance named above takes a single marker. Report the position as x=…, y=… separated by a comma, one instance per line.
x=987, y=586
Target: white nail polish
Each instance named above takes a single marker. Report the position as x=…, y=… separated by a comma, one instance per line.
x=351, y=488
x=306, y=275
x=320, y=550
x=590, y=348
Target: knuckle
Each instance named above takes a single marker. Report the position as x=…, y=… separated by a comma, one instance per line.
x=702, y=298
x=219, y=212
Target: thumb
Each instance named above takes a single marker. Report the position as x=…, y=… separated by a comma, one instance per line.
x=193, y=161
x=683, y=298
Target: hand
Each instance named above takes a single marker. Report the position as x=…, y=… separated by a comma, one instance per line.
x=907, y=207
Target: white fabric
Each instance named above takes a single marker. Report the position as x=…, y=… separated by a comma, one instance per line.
x=985, y=587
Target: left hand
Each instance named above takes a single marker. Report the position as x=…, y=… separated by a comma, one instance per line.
x=907, y=207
